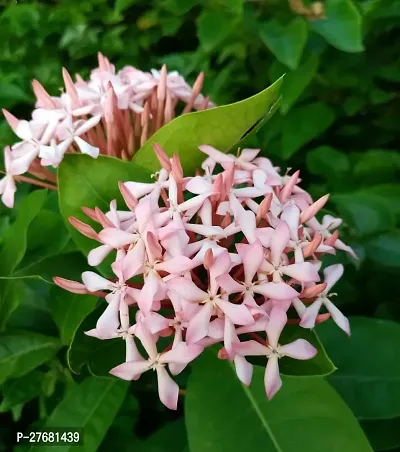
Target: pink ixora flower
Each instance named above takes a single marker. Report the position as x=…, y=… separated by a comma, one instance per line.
x=205, y=260
x=113, y=113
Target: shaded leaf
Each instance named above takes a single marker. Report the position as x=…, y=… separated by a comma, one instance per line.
x=385, y=249
x=285, y=42
x=383, y=434
x=368, y=382
x=327, y=162
x=213, y=27
x=21, y=390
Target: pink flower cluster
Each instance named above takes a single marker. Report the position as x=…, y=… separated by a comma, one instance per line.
x=113, y=113
x=214, y=258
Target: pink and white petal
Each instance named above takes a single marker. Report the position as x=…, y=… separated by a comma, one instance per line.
x=193, y=203
x=309, y=316
x=147, y=339
x=116, y=237
x=247, y=223
x=198, y=185
x=272, y=379
x=181, y=353
x=148, y=292
x=204, y=229
x=279, y=241
x=244, y=370
x=258, y=325
x=332, y=274
x=303, y=272
x=7, y=190
x=94, y=282
x=132, y=353
x=97, y=255
x=103, y=334
x=187, y=289
x=248, y=192
x=229, y=285
x=133, y=262
x=87, y=148
x=175, y=265
x=239, y=314
x=109, y=320
x=248, y=155
x=198, y=325
x=291, y=215
x=168, y=390
x=251, y=348
x=139, y=189
x=298, y=349
x=216, y=329
x=342, y=246
x=252, y=260
x=87, y=125
x=217, y=156
x=340, y=320
x=155, y=322
x=275, y=325
x=130, y=370
x=277, y=291
x=264, y=235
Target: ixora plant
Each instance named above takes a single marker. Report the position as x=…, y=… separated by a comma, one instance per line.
x=201, y=243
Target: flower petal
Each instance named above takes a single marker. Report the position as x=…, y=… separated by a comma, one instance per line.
x=239, y=314
x=279, y=241
x=244, y=370
x=94, y=282
x=116, y=237
x=181, y=353
x=277, y=291
x=168, y=390
x=277, y=320
x=332, y=274
x=198, y=325
x=251, y=348
x=272, y=379
x=298, y=349
x=130, y=370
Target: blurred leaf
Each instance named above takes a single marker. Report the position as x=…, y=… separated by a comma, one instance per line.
x=21, y=352
x=84, y=181
x=69, y=310
x=285, y=42
x=21, y=390
x=179, y=7
x=369, y=383
x=385, y=249
x=342, y=25
x=389, y=194
x=184, y=134
x=327, y=162
x=377, y=165
x=303, y=124
x=295, y=82
x=100, y=356
x=366, y=212
x=12, y=94
x=170, y=438
x=15, y=240
x=216, y=421
x=383, y=434
x=90, y=405
x=213, y=27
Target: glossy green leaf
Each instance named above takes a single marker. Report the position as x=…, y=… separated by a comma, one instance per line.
x=285, y=42
x=21, y=352
x=383, y=434
x=303, y=124
x=326, y=161
x=385, y=249
x=88, y=182
x=295, y=82
x=389, y=194
x=90, y=405
x=223, y=415
x=98, y=355
x=21, y=390
x=213, y=27
x=368, y=375
x=377, y=165
x=15, y=240
x=342, y=25
x=221, y=127
x=367, y=213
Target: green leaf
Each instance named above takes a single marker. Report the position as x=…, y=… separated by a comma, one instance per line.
x=21, y=390
x=88, y=182
x=383, y=434
x=303, y=124
x=21, y=352
x=389, y=194
x=15, y=240
x=327, y=162
x=221, y=127
x=368, y=375
x=342, y=25
x=100, y=356
x=92, y=406
x=385, y=249
x=69, y=310
x=367, y=213
x=295, y=82
x=213, y=27
x=285, y=42
x=223, y=415
x=170, y=438
x=377, y=165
